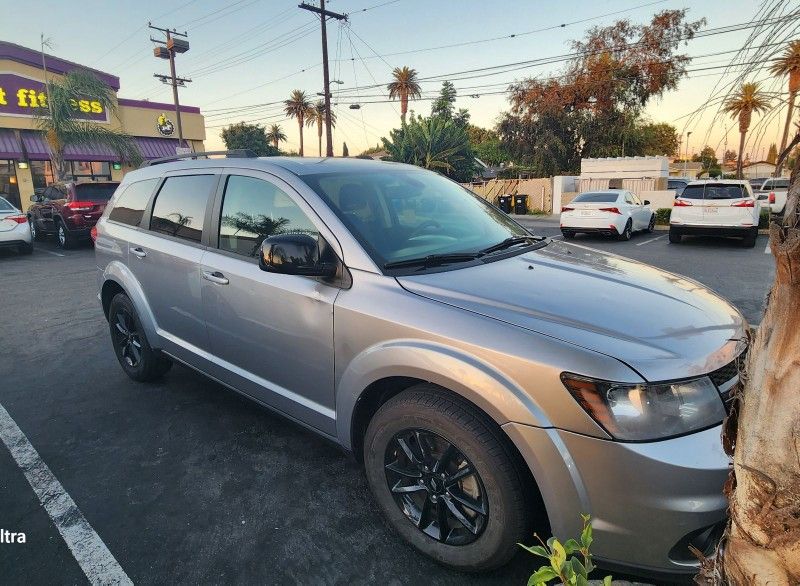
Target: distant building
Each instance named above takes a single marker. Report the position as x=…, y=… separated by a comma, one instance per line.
x=759, y=169
x=689, y=169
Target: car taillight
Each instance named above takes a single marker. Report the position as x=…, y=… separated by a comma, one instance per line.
x=612, y=210
x=771, y=197
x=748, y=203
x=80, y=205
x=18, y=219
x=682, y=203
x=567, y=209
x=93, y=233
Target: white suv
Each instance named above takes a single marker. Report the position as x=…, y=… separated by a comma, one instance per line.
x=716, y=208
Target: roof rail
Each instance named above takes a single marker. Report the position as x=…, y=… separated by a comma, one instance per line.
x=231, y=154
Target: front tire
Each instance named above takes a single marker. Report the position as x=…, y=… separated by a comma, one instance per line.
x=139, y=361
x=446, y=480
x=36, y=235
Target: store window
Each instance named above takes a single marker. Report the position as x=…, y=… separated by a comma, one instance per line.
x=42, y=173
x=90, y=170
x=9, y=188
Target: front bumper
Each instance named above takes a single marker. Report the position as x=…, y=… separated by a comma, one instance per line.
x=647, y=500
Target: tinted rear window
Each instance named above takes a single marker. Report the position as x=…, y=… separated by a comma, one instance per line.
x=776, y=184
x=129, y=207
x=596, y=198
x=180, y=206
x=713, y=191
x=95, y=191
x=5, y=206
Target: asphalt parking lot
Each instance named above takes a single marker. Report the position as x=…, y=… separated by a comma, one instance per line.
x=186, y=482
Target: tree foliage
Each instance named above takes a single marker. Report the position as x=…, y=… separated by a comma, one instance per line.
x=63, y=123
x=749, y=100
x=594, y=108
x=772, y=154
x=444, y=105
x=298, y=107
x=404, y=86
x=433, y=143
x=248, y=136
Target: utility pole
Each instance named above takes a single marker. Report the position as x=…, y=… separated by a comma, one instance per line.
x=686, y=160
x=323, y=16
x=172, y=46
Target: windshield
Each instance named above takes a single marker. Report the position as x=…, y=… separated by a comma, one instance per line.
x=95, y=191
x=401, y=214
x=776, y=184
x=596, y=198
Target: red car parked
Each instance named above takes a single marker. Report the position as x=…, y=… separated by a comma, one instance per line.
x=69, y=210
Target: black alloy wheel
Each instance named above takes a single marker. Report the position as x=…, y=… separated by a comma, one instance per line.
x=139, y=361
x=436, y=487
x=652, y=225
x=627, y=232
x=127, y=338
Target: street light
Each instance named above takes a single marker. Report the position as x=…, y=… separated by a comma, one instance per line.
x=686, y=160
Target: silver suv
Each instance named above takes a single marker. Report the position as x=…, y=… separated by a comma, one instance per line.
x=490, y=381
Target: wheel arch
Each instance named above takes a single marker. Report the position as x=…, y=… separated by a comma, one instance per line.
x=118, y=278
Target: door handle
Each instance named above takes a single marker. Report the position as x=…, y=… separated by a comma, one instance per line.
x=215, y=277
x=138, y=252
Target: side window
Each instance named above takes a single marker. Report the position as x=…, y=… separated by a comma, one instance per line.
x=180, y=206
x=629, y=198
x=129, y=207
x=253, y=209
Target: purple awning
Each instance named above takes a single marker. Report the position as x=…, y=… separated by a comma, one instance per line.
x=155, y=148
x=36, y=148
x=9, y=145
x=150, y=148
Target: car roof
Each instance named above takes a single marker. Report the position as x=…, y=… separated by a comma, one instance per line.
x=295, y=165
x=719, y=182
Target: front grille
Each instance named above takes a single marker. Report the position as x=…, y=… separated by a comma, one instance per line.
x=724, y=375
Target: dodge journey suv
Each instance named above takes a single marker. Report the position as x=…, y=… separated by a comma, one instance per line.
x=490, y=381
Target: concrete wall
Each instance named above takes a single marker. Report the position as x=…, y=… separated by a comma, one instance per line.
x=625, y=167
x=634, y=185
x=539, y=191
x=658, y=199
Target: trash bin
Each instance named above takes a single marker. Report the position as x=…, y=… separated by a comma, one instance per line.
x=504, y=203
x=521, y=204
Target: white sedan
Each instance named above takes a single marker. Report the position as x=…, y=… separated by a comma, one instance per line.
x=14, y=228
x=614, y=212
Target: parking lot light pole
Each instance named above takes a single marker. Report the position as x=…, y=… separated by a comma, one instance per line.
x=686, y=160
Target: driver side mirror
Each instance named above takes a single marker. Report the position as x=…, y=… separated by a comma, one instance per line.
x=36, y=198
x=294, y=254
x=647, y=202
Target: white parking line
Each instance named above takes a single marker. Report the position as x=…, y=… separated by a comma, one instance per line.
x=767, y=249
x=51, y=252
x=85, y=544
x=651, y=240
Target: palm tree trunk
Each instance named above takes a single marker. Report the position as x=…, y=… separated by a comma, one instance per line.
x=741, y=154
x=763, y=543
x=786, y=126
x=403, y=107
x=275, y=142
x=300, y=124
x=319, y=138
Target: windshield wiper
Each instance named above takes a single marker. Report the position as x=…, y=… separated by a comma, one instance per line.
x=433, y=260
x=509, y=242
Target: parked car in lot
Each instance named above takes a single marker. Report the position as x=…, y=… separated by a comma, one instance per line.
x=613, y=213
x=482, y=375
x=677, y=185
x=716, y=208
x=774, y=192
x=14, y=228
x=69, y=210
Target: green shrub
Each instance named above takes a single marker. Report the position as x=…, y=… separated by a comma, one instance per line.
x=662, y=216
x=563, y=565
x=763, y=219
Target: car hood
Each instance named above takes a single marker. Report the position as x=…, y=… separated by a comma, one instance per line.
x=663, y=325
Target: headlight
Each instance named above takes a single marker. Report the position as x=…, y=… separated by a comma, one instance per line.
x=647, y=411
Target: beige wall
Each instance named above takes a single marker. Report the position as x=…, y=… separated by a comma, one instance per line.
x=142, y=122
x=539, y=191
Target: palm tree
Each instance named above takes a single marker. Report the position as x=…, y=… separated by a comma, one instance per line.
x=741, y=105
x=404, y=86
x=298, y=106
x=317, y=117
x=275, y=135
x=63, y=124
x=788, y=64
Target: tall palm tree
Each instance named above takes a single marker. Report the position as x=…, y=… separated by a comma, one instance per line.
x=317, y=117
x=405, y=86
x=275, y=135
x=298, y=106
x=63, y=124
x=788, y=64
x=742, y=105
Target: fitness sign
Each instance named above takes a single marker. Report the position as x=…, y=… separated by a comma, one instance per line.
x=25, y=97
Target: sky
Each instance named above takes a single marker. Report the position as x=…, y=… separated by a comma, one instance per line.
x=246, y=56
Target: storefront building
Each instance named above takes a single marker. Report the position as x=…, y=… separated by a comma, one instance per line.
x=24, y=158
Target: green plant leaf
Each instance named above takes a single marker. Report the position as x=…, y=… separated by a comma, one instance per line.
x=586, y=535
x=535, y=550
x=571, y=546
x=542, y=576
x=607, y=581
x=559, y=556
x=578, y=567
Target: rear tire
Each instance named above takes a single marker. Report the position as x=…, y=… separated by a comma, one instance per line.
x=446, y=425
x=652, y=225
x=26, y=248
x=568, y=235
x=749, y=241
x=675, y=236
x=627, y=232
x=63, y=238
x=139, y=361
